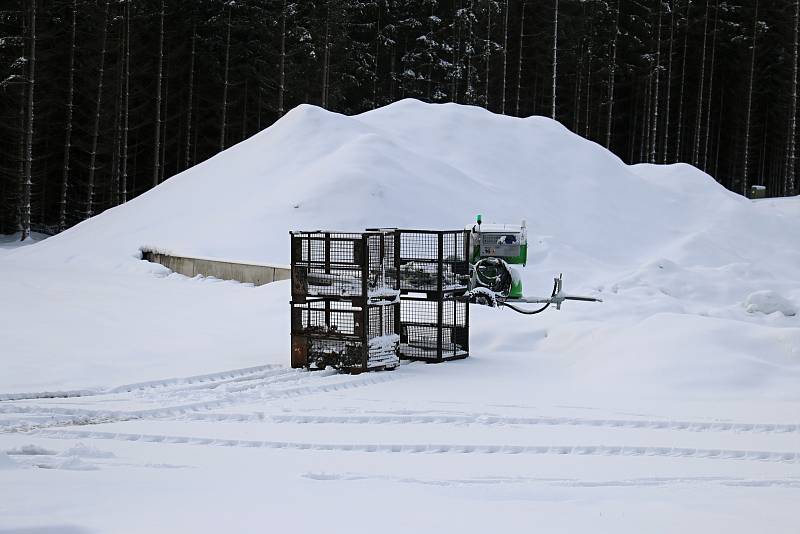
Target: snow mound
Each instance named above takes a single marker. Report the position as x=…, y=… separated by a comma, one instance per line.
x=768, y=302
x=411, y=165
x=672, y=253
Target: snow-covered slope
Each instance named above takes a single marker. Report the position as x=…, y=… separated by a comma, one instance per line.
x=413, y=164
x=670, y=250
x=641, y=414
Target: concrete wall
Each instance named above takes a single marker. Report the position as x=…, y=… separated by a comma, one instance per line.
x=224, y=270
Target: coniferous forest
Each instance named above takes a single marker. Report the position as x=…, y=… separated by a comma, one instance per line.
x=101, y=100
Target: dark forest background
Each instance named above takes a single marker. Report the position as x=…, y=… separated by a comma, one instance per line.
x=101, y=100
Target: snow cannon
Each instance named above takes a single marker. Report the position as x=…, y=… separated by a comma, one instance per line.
x=494, y=248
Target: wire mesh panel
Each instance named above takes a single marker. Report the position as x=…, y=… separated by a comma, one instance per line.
x=432, y=261
x=382, y=281
x=343, y=265
x=433, y=330
x=326, y=317
x=338, y=334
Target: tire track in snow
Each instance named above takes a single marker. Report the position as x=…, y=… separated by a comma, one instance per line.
x=491, y=420
x=230, y=375
x=276, y=378
x=565, y=482
x=577, y=450
x=251, y=393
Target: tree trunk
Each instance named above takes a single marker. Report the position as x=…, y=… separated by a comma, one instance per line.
x=665, y=151
x=699, y=121
x=763, y=157
x=27, y=180
x=719, y=136
x=683, y=83
x=190, y=105
x=505, y=59
x=157, y=140
x=644, y=149
x=488, y=52
x=282, y=66
x=633, y=132
x=470, y=89
x=519, y=57
x=456, y=50
x=326, y=56
x=123, y=183
x=23, y=120
x=576, y=105
x=790, y=170
x=654, y=126
x=224, y=124
x=749, y=106
x=392, y=73
x=555, y=61
x=588, y=90
x=165, y=122
x=611, y=81
x=710, y=89
x=62, y=204
x=430, y=52
x=96, y=131
x=377, y=55
x=116, y=165
x=244, y=111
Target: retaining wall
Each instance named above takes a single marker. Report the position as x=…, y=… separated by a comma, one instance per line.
x=252, y=273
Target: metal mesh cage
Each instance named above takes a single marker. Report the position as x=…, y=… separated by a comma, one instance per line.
x=339, y=334
x=433, y=261
x=433, y=330
x=343, y=265
x=346, y=310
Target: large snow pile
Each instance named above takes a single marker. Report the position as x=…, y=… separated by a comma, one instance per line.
x=671, y=406
x=673, y=254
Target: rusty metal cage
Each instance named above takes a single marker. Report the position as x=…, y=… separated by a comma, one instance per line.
x=433, y=330
x=339, y=334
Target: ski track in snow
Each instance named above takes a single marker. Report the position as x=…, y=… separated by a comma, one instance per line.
x=270, y=382
x=581, y=450
x=212, y=379
x=489, y=420
x=260, y=391
x=567, y=482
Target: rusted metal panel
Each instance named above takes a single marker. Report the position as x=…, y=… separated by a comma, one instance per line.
x=299, y=352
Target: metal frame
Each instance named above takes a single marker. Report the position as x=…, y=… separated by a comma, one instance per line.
x=352, y=293
x=433, y=330
x=434, y=327
x=433, y=262
x=345, y=300
x=339, y=334
x=356, y=266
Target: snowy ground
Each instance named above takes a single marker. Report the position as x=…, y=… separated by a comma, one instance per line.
x=132, y=399
x=12, y=242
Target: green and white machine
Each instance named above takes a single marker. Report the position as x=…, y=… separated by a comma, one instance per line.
x=494, y=248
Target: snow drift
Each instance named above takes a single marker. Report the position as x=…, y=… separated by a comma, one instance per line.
x=673, y=254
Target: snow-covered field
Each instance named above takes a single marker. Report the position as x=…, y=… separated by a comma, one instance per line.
x=672, y=406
